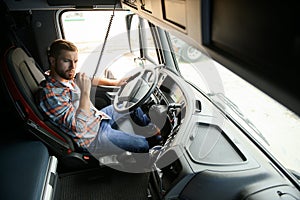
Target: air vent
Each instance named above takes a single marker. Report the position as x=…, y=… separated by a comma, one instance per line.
x=198, y=106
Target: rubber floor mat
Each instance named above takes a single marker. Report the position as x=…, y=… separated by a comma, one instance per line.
x=103, y=184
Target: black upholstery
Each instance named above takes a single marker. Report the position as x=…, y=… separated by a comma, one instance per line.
x=26, y=75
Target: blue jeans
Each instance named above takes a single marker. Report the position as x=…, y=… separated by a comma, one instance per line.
x=111, y=140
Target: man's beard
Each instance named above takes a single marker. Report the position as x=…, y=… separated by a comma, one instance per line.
x=68, y=75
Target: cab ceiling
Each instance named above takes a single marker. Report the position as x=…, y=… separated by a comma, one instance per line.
x=56, y=4
x=259, y=40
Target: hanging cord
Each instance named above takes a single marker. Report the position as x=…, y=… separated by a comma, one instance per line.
x=105, y=39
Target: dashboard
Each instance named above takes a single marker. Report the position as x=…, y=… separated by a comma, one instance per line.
x=202, y=148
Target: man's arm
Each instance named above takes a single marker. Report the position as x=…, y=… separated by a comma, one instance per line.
x=109, y=82
x=102, y=80
x=84, y=83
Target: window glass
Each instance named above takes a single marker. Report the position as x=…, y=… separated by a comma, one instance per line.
x=134, y=36
x=148, y=43
x=272, y=124
x=88, y=29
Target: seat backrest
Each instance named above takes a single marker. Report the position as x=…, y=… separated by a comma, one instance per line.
x=26, y=75
x=22, y=78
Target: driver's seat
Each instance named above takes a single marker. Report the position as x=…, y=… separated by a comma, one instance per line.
x=21, y=78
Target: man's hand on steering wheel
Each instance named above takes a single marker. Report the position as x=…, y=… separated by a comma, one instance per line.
x=140, y=85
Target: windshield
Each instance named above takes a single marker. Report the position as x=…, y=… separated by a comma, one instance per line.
x=272, y=124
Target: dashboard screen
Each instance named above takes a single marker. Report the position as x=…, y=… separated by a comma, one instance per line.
x=176, y=94
x=172, y=90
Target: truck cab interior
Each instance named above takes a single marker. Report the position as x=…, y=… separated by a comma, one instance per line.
x=184, y=59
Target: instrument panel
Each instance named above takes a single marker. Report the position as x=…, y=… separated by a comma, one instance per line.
x=171, y=90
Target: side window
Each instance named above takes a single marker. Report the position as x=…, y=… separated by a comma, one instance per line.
x=122, y=51
x=269, y=120
x=88, y=29
x=184, y=52
x=142, y=47
x=134, y=36
x=148, y=43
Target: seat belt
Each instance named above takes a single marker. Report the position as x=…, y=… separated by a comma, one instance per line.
x=105, y=40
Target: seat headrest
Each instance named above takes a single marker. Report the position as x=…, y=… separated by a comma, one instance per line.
x=27, y=67
x=26, y=75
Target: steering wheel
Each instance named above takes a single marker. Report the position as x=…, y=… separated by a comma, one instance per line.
x=140, y=85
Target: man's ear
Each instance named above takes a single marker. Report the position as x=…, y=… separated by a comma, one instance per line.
x=52, y=61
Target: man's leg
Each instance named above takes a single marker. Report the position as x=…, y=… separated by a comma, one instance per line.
x=110, y=140
x=138, y=116
x=140, y=123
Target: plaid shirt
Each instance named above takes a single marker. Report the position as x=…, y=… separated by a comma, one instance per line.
x=60, y=103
